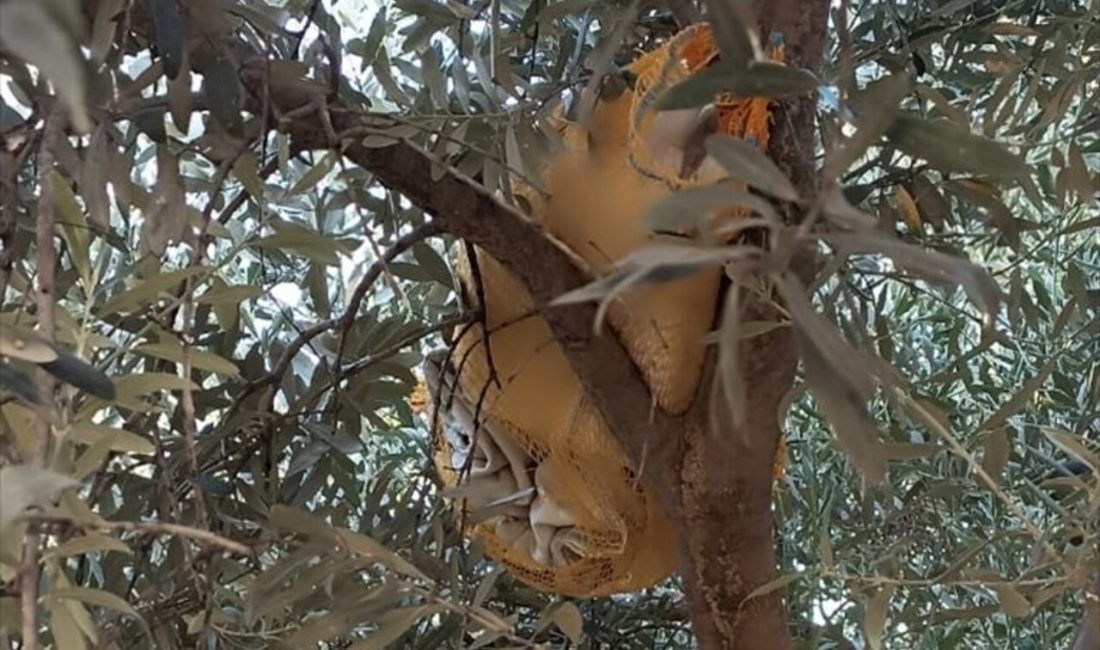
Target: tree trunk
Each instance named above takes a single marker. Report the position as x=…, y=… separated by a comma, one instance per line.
x=726, y=542
x=718, y=491
x=722, y=500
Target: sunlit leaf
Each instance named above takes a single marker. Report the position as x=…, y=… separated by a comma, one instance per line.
x=875, y=107
x=569, y=620
x=774, y=585
x=367, y=547
x=199, y=359
x=224, y=293
x=149, y=290
x=119, y=440
x=19, y=343
x=384, y=74
x=147, y=383
x=71, y=223
x=949, y=147
x=686, y=211
x=730, y=372
x=1074, y=446
x=932, y=265
x=432, y=72
x=1012, y=601
x=392, y=625
x=314, y=175
x=747, y=163
x=433, y=264
x=88, y=543
x=65, y=630
x=96, y=597
x=313, y=245
x=247, y=171
x=91, y=459
x=846, y=412
x=26, y=485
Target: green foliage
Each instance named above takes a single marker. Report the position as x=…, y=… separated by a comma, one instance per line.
x=262, y=313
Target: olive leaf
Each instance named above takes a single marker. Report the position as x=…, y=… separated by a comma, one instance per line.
x=28, y=346
x=759, y=79
x=169, y=28
x=49, y=41
x=947, y=146
x=26, y=485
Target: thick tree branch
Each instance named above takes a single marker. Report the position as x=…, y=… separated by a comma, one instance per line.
x=467, y=210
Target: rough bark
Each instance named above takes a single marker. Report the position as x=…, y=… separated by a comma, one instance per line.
x=725, y=490
x=727, y=548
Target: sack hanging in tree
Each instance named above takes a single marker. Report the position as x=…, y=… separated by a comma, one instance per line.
x=545, y=484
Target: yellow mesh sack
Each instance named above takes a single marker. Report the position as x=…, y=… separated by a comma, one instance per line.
x=607, y=533
x=595, y=201
x=607, y=178
x=621, y=538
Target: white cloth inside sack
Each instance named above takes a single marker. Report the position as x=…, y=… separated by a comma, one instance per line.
x=503, y=477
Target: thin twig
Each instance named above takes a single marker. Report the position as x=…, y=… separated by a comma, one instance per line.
x=150, y=528
x=46, y=260
x=479, y=288
x=187, y=317
x=403, y=343
x=344, y=321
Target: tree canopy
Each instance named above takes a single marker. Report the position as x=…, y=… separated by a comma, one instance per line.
x=227, y=238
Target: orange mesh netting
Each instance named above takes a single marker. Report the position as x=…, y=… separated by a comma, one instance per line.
x=545, y=485
x=690, y=51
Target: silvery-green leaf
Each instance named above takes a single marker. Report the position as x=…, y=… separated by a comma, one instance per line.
x=685, y=211
x=26, y=485
x=947, y=146
x=747, y=163
x=759, y=79
x=28, y=29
